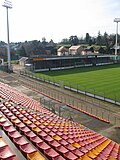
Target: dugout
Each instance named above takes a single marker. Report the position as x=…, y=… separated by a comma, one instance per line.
x=54, y=63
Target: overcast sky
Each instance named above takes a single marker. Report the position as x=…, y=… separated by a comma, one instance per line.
x=58, y=19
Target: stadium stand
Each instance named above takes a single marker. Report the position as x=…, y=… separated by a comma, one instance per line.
x=40, y=134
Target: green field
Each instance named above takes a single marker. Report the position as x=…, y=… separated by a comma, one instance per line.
x=102, y=80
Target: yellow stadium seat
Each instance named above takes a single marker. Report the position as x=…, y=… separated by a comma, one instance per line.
x=76, y=145
x=65, y=129
x=91, y=155
x=95, y=152
x=111, y=158
x=36, y=129
x=35, y=156
x=27, y=122
x=15, y=121
x=57, y=137
x=78, y=135
x=37, y=122
x=85, y=157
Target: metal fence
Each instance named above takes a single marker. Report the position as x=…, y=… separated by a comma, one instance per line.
x=114, y=99
x=92, y=106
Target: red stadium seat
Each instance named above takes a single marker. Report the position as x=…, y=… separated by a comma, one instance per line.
x=50, y=153
x=20, y=141
x=27, y=148
x=42, y=146
x=20, y=125
x=70, y=156
x=58, y=158
x=14, y=134
x=6, y=153
x=35, y=140
x=29, y=134
x=61, y=149
x=9, y=129
x=24, y=129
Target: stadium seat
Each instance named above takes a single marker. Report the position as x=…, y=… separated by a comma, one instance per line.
x=50, y=153
x=37, y=123
x=14, y=134
x=42, y=146
x=35, y=156
x=51, y=133
x=9, y=129
x=70, y=147
x=15, y=121
x=6, y=153
x=20, y=125
x=27, y=122
x=42, y=134
x=2, y=143
x=63, y=142
x=78, y=153
x=58, y=158
x=4, y=123
x=27, y=149
x=29, y=134
x=61, y=149
x=56, y=137
x=35, y=140
x=54, y=144
x=36, y=130
x=19, y=141
x=76, y=145
x=70, y=156
x=31, y=125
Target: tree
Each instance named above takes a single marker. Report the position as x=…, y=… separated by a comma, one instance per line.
x=74, y=40
x=21, y=52
x=99, y=39
x=44, y=42
x=65, y=41
x=87, y=38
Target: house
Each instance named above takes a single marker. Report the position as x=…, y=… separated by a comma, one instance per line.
x=51, y=44
x=23, y=61
x=101, y=50
x=75, y=50
x=88, y=50
x=63, y=51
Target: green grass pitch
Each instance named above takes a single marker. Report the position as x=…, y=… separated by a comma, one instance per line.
x=101, y=80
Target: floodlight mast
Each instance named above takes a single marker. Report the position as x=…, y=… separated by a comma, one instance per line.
x=8, y=5
x=116, y=45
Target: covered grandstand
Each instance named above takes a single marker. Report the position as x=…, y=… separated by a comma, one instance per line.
x=56, y=62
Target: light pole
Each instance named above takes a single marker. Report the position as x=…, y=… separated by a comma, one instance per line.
x=116, y=45
x=8, y=5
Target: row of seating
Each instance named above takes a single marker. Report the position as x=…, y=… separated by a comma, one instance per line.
x=17, y=139
x=47, y=138
x=5, y=151
x=21, y=143
x=46, y=148
x=54, y=136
